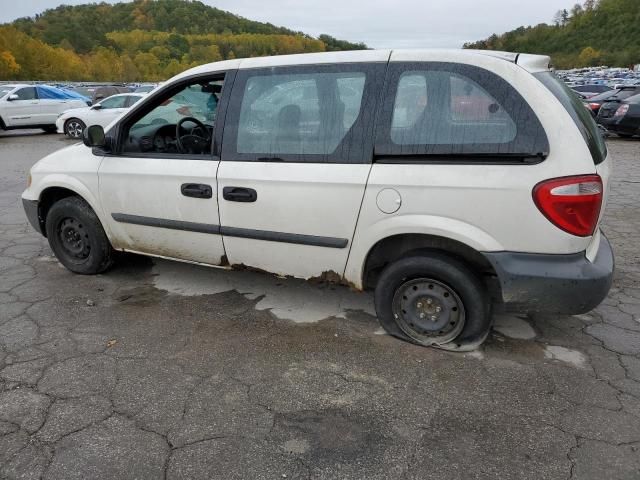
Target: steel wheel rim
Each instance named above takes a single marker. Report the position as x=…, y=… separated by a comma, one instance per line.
x=74, y=129
x=428, y=311
x=74, y=238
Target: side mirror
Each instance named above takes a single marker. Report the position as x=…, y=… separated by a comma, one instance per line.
x=93, y=136
x=97, y=106
x=13, y=97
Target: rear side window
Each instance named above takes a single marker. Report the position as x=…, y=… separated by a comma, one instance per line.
x=318, y=113
x=461, y=112
x=114, y=102
x=443, y=108
x=131, y=99
x=580, y=115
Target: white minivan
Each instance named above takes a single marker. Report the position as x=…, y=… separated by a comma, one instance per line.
x=449, y=182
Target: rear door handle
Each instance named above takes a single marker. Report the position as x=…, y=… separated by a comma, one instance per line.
x=239, y=194
x=196, y=190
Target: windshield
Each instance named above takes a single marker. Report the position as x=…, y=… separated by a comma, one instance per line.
x=580, y=115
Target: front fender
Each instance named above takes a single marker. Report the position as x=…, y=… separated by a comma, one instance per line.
x=86, y=187
x=367, y=237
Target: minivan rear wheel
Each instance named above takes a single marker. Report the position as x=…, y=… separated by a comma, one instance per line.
x=433, y=300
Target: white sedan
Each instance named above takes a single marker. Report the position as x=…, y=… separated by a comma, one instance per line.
x=73, y=122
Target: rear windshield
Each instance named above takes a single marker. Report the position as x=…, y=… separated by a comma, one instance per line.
x=635, y=99
x=603, y=96
x=580, y=115
x=623, y=94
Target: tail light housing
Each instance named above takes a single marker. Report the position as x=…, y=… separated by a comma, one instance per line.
x=594, y=106
x=571, y=203
x=622, y=110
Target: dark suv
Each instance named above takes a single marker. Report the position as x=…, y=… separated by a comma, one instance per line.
x=611, y=105
x=625, y=119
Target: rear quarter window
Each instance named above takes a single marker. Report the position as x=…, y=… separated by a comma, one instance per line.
x=580, y=115
x=462, y=112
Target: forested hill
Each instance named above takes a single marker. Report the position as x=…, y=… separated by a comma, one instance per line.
x=140, y=40
x=598, y=32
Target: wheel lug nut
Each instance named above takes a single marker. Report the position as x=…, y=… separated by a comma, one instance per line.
x=429, y=301
x=433, y=318
x=422, y=315
x=438, y=309
x=418, y=305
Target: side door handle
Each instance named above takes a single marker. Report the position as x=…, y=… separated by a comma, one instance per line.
x=239, y=194
x=196, y=190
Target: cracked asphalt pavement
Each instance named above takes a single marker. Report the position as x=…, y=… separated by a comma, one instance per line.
x=143, y=373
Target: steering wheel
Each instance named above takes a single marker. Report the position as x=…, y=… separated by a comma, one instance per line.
x=192, y=143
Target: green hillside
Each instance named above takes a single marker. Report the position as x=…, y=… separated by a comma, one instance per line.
x=140, y=40
x=595, y=33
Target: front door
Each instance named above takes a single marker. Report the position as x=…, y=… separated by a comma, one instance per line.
x=25, y=110
x=296, y=155
x=158, y=188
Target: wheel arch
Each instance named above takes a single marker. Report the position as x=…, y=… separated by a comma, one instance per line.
x=395, y=247
x=56, y=192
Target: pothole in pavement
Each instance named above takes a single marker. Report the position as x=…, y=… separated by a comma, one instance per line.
x=290, y=299
x=305, y=302
x=566, y=355
x=513, y=326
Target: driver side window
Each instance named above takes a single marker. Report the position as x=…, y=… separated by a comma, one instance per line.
x=179, y=122
x=27, y=93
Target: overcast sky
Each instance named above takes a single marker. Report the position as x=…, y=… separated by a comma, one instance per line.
x=378, y=23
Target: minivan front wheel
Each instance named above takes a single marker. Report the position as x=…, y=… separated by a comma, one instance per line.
x=433, y=300
x=77, y=238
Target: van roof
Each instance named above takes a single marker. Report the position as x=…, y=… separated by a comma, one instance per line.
x=532, y=63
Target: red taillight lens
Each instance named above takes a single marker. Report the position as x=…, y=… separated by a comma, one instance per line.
x=622, y=111
x=594, y=106
x=571, y=203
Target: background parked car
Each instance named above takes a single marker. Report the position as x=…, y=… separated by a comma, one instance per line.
x=35, y=106
x=103, y=92
x=73, y=122
x=609, y=108
x=625, y=120
x=145, y=88
x=595, y=103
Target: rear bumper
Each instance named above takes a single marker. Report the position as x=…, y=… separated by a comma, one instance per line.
x=562, y=284
x=32, y=211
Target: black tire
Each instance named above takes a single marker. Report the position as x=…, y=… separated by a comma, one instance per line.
x=74, y=127
x=467, y=302
x=77, y=237
x=625, y=135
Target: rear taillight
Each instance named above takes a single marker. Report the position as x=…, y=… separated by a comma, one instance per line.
x=622, y=111
x=594, y=106
x=571, y=203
